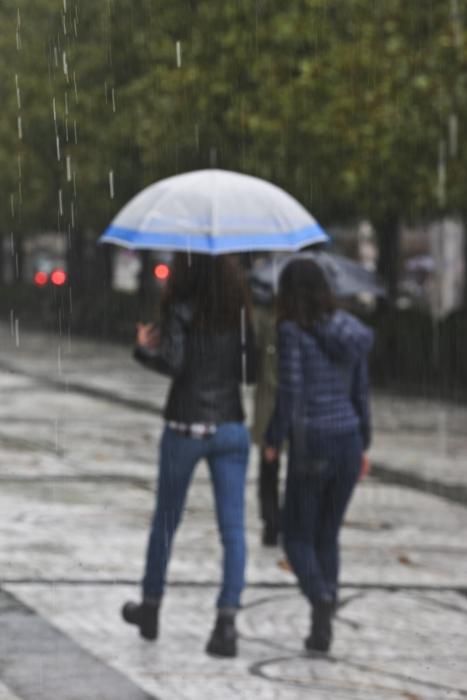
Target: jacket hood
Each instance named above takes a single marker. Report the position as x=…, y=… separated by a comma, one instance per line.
x=343, y=337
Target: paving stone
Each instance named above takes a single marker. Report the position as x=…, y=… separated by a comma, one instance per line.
x=39, y=662
x=6, y=693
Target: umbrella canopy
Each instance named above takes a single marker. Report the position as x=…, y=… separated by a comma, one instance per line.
x=214, y=211
x=346, y=277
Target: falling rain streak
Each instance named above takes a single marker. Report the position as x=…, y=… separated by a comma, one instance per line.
x=57, y=438
x=111, y=184
x=243, y=332
x=178, y=48
x=20, y=194
x=453, y=128
x=18, y=93
x=441, y=188
x=18, y=30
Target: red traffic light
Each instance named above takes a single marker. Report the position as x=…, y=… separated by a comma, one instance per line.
x=40, y=278
x=58, y=277
x=161, y=272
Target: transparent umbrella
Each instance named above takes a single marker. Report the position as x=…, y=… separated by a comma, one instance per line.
x=214, y=212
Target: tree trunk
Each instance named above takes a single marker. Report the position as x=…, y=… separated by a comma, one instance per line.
x=145, y=279
x=2, y=259
x=76, y=264
x=99, y=268
x=389, y=254
x=464, y=223
x=388, y=267
x=18, y=262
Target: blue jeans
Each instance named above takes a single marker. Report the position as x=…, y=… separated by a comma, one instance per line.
x=227, y=455
x=315, y=504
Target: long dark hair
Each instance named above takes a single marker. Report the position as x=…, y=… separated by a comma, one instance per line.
x=304, y=294
x=215, y=288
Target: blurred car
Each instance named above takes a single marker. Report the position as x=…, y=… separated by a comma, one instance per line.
x=49, y=269
x=162, y=262
x=128, y=269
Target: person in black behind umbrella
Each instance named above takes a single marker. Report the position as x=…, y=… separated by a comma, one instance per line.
x=322, y=409
x=206, y=345
x=264, y=395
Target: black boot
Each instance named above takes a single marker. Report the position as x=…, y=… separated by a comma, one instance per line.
x=321, y=626
x=270, y=536
x=144, y=615
x=223, y=641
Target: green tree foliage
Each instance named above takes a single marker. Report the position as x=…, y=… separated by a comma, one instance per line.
x=355, y=107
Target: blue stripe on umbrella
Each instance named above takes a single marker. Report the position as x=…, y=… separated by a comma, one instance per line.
x=208, y=243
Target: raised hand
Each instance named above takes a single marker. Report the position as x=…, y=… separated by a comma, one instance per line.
x=270, y=454
x=147, y=335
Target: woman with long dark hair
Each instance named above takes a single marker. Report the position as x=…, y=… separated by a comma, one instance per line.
x=322, y=410
x=205, y=344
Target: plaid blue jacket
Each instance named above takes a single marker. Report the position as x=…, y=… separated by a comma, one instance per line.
x=322, y=379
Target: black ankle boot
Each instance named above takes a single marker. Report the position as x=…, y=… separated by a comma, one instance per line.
x=144, y=615
x=321, y=626
x=223, y=641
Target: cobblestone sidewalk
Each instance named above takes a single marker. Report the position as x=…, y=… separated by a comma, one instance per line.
x=420, y=443
x=78, y=429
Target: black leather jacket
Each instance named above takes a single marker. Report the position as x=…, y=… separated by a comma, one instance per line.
x=207, y=369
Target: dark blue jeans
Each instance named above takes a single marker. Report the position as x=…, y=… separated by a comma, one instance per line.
x=315, y=504
x=227, y=455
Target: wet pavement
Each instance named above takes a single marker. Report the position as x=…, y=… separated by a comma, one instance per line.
x=79, y=422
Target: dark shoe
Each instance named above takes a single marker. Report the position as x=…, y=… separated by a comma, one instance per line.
x=270, y=536
x=143, y=615
x=223, y=641
x=321, y=627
